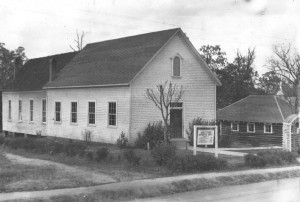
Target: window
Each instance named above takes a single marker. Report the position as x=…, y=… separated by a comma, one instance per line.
x=91, y=115
x=9, y=109
x=31, y=110
x=73, y=112
x=251, y=127
x=58, y=111
x=112, y=113
x=176, y=66
x=44, y=109
x=20, y=110
x=268, y=128
x=176, y=104
x=234, y=126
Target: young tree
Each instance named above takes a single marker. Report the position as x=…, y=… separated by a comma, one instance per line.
x=78, y=41
x=286, y=65
x=10, y=63
x=162, y=97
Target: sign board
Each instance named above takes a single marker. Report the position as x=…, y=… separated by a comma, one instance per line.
x=205, y=135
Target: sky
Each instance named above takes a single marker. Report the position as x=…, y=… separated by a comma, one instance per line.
x=49, y=27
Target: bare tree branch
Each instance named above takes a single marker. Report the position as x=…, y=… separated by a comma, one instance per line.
x=163, y=98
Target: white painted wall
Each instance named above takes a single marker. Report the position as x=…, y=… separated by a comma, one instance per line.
x=25, y=126
x=101, y=132
x=200, y=90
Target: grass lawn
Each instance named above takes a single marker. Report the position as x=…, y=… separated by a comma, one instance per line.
x=24, y=177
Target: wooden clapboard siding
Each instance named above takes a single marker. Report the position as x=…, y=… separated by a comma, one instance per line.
x=100, y=132
x=25, y=126
x=244, y=137
x=200, y=90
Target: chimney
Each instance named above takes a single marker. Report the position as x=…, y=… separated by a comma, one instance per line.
x=52, y=69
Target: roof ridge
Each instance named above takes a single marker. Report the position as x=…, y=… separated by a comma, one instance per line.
x=53, y=55
x=279, y=108
x=234, y=103
x=178, y=28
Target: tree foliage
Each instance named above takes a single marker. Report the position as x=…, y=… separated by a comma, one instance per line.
x=269, y=83
x=10, y=63
x=164, y=95
x=214, y=57
x=238, y=77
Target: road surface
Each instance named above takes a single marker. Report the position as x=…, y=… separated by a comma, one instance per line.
x=286, y=190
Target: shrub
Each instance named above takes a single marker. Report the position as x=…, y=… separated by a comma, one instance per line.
x=90, y=155
x=225, y=140
x=154, y=134
x=1, y=140
x=196, y=121
x=75, y=148
x=278, y=157
x=163, y=152
x=252, y=160
x=102, y=154
x=202, y=162
x=122, y=141
x=132, y=158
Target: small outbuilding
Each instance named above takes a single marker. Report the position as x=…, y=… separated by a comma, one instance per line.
x=256, y=120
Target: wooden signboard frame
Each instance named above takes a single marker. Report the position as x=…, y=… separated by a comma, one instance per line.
x=205, y=128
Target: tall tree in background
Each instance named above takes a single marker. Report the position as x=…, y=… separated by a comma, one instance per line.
x=214, y=57
x=10, y=63
x=286, y=65
x=238, y=77
x=269, y=83
x=78, y=41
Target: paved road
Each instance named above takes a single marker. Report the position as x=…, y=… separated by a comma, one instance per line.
x=286, y=190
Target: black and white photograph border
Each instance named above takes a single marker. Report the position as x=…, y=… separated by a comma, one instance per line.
x=139, y=100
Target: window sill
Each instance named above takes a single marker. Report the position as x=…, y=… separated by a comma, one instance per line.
x=74, y=124
x=57, y=122
x=112, y=127
x=235, y=130
x=176, y=77
x=268, y=132
x=44, y=123
x=9, y=120
x=250, y=131
x=20, y=121
x=31, y=122
x=91, y=125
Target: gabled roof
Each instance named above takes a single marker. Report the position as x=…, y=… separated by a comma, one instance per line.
x=113, y=62
x=35, y=73
x=256, y=108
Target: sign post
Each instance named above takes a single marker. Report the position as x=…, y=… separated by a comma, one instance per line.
x=205, y=135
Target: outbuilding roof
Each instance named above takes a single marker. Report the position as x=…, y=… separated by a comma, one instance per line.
x=256, y=108
x=35, y=73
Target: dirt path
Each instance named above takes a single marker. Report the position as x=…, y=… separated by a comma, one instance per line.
x=95, y=177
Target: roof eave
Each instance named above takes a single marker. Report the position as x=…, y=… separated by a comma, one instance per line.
x=86, y=86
